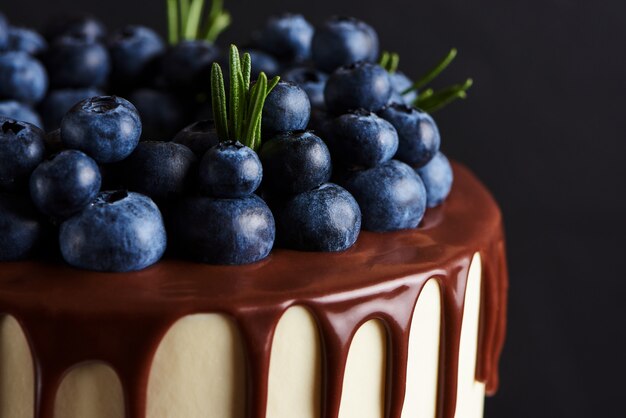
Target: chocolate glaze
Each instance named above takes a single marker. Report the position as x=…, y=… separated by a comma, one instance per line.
x=71, y=316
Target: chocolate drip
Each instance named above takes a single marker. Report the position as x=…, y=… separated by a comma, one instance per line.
x=71, y=316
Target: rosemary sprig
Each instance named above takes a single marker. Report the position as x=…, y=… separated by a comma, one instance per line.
x=434, y=72
x=437, y=100
x=429, y=100
x=187, y=20
x=390, y=61
x=240, y=120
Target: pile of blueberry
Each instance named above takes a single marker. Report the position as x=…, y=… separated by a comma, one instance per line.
x=341, y=143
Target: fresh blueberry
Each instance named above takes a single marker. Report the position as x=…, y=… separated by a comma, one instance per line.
x=437, y=177
x=11, y=109
x=58, y=102
x=77, y=25
x=287, y=108
x=26, y=40
x=198, y=137
x=263, y=62
x=326, y=218
x=107, y=128
x=118, y=232
x=363, y=139
x=311, y=81
x=357, y=86
x=417, y=131
x=391, y=196
x=223, y=231
x=295, y=162
x=134, y=51
x=20, y=227
x=162, y=114
x=75, y=61
x=399, y=84
x=287, y=37
x=343, y=41
x=22, y=78
x=187, y=65
x=160, y=170
x=21, y=150
x=230, y=170
x=65, y=184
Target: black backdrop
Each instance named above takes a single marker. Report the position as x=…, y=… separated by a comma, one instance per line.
x=544, y=128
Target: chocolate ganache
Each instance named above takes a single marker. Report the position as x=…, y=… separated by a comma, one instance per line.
x=70, y=316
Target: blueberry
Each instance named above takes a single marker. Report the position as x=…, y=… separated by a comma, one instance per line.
x=263, y=62
x=4, y=32
x=160, y=170
x=223, y=231
x=295, y=162
x=76, y=61
x=326, y=218
x=65, y=184
x=198, y=137
x=21, y=150
x=22, y=78
x=400, y=83
x=77, y=25
x=58, y=102
x=357, y=86
x=391, y=196
x=11, y=109
x=162, y=114
x=118, y=232
x=363, y=139
x=417, y=131
x=343, y=41
x=107, y=128
x=288, y=37
x=287, y=108
x=187, y=65
x=21, y=228
x=26, y=40
x=134, y=51
x=437, y=177
x=311, y=81
x=230, y=170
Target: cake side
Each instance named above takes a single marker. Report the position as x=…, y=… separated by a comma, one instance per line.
x=379, y=279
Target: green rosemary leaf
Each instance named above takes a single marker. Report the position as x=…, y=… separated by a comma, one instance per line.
x=246, y=69
x=218, y=100
x=272, y=83
x=172, y=21
x=384, y=59
x=194, y=17
x=434, y=72
x=442, y=98
x=394, y=63
x=257, y=99
x=217, y=21
x=236, y=96
x=184, y=10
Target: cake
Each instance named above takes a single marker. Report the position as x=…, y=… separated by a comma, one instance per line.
x=283, y=331
x=218, y=272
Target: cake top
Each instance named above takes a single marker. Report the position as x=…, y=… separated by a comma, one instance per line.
x=301, y=140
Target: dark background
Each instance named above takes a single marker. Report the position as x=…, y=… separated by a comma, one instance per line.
x=544, y=128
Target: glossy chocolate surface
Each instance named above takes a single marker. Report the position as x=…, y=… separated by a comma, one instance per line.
x=71, y=316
